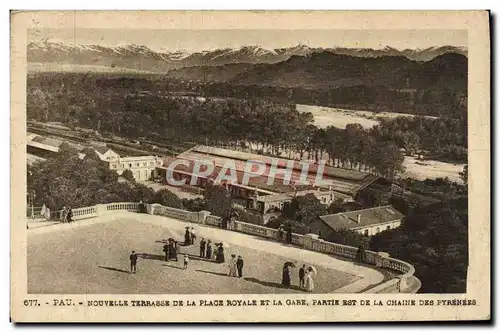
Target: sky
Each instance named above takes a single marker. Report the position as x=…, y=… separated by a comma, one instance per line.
x=198, y=40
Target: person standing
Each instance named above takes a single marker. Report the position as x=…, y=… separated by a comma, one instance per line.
x=187, y=237
x=360, y=254
x=280, y=233
x=166, y=250
x=220, y=254
x=209, y=250
x=286, y=280
x=309, y=280
x=289, y=234
x=203, y=243
x=186, y=261
x=69, y=214
x=63, y=214
x=174, y=249
x=239, y=266
x=133, y=262
x=232, y=266
x=232, y=223
x=302, y=275
x=193, y=235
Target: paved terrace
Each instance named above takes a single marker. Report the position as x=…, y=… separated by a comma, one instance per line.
x=91, y=256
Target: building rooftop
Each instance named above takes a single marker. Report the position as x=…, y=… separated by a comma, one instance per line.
x=281, y=162
x=125, y=159
x=344, y=181
x=274, y=198
x=373, y=216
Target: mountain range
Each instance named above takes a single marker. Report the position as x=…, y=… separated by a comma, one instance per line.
x=142, y=58
x=326, y=70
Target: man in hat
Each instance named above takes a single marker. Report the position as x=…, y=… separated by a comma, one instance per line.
x=239, y=266
x=133, y=262
x=302, y=274
x=203, y=243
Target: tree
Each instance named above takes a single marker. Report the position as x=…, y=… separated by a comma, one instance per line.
x=128, y=175
x=167, y=198
x=434, y=240
x=305, y=209
x=218, y=200
x=349, y=238
x=411, y=142
x=66, y=180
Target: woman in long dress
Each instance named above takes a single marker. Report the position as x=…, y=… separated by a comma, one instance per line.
x=220, y=254
x=232, y=266
x=286, y=280
x=209, y=249
x=309, y=279
x=187, y=237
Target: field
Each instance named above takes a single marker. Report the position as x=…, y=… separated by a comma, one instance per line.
x=328, y=116
x=93, y=258
x=431, y=169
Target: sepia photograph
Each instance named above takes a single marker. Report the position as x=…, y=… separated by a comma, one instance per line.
x=305, y=163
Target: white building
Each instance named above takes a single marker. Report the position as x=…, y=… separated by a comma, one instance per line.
x=367, y=222
x=142, y=167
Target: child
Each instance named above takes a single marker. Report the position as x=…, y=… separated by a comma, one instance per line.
x=186, y=261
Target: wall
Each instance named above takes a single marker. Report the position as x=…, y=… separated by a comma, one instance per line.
x=372, y=230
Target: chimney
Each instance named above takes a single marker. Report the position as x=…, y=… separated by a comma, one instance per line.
x=359, y=218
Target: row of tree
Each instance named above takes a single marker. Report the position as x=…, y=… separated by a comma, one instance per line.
x=276, y=128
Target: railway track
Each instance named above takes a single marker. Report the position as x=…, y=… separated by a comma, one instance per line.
x=139, y=147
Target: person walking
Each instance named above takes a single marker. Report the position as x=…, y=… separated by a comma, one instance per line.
x=232, y=266
x=208, y=253
x=186, y=261
x=203, y=244
x=239, y=266
x=133, y=262
x=302, y=275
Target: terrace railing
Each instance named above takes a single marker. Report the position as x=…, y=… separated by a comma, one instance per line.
x=404, y=282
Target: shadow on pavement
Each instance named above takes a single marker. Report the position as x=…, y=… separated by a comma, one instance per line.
x=198, y=258
x=173, y=266
x=152, y=256
x=214, y=273
x=114, y=269
x=273, y=284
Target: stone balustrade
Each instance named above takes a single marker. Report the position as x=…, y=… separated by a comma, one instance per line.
x=382, y=260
